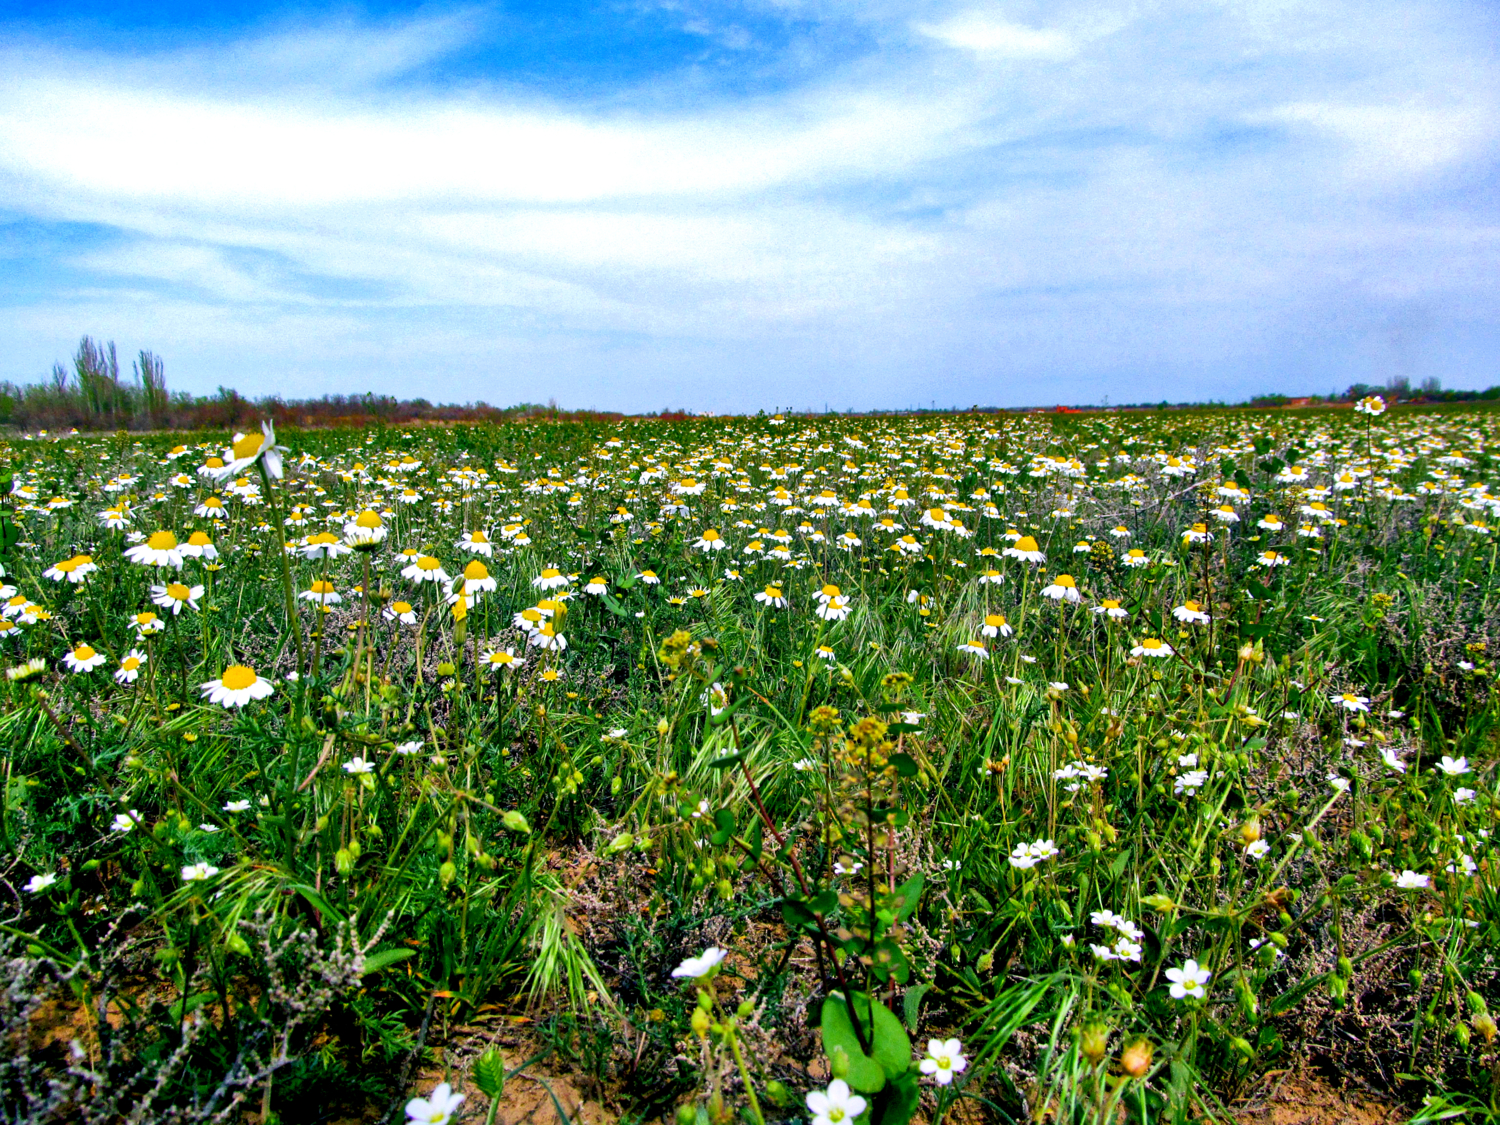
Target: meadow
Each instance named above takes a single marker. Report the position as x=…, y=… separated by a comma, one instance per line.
x=1015, y=768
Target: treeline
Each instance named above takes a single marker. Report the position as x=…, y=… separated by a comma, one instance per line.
x=93, y=395
x=1395, y=390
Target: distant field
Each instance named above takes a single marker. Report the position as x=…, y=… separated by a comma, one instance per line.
x=702, y=764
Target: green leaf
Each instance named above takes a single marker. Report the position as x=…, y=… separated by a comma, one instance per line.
x=907, y=895
x=10, y=535
x=489, y=1073
x=865, y=1074
x=757, y=839
x=798, y=916
x=911, y=1004
x=613, y=605
x=724, y=761
x=905, y=764
x=385, y=958
x=725, y=821
x=902, y=1100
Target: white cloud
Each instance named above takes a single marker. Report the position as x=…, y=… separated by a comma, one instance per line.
x=1180, y=191
x=985, y=33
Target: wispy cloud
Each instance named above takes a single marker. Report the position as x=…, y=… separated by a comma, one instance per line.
x=1013, y=203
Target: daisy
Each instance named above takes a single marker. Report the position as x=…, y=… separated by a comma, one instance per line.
x=1198, y=533
x=1135, y=557
x=200, y=546
x=1270, y=522
x=358, y=765
x=236, y=806
x=1410, y=881
x=321, y=592
x=114, y=519
x=1153, y=648
x=975, y=648
x=198, y=872
x=175, y=595
x=476, y=579
x=991, y=577
x=648, y=577
x=247, y=449
x=211, y=509
x=1111, y=608
x=83, y=658
x=323, y=545
x=1270, y=559
x=546, y=639
x=1191, y=613
x=834, y=609
x=1350, y=702
x=400, y=611
x=710, y=540
x=159, y=550
x=550, y=579
x=499, y=659
x=365, y=531
x=1025, y=549
x=995, y=625
x=236, y=687
x=476, y=543
x=772, y=596
x=146, y=623
x=130, y=668
x=1063, y=588
x=73, y=570
x=425, y=569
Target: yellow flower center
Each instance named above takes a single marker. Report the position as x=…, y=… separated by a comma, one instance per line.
x=994, y=620
x=237, y=677
x=178, y=592
x=710, y=535
x=68, y=566
x=427, y=562
x=199, y=539
x=368, y=520
x=144, y=618
x=478, y=537
x=1066, y=580
x=553, y=572
x=830, y=591
x=83, y=652
x=401, y=607
x=214, y=463
x=162, y=541
x=248, y=446
x=1151, y=642
x=477, y=570
x=130, y=663
x=322, y=587
x=1026, y=543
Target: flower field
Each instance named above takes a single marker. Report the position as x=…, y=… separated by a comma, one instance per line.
x=983, y=767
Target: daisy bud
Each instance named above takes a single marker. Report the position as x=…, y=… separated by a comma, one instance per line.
x=1250, y=831
x=1093, y=1041
x=1485, y=1025
x=1135, y=1059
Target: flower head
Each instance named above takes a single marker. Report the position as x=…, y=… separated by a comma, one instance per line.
x=437, y=1108
x=236, y=687
x=945, y=1058
x=835, y=1105
x=708, y=961
x=1188, y=981
x=246, y=449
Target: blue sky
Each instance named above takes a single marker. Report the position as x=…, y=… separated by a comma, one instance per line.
x=779, y=203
